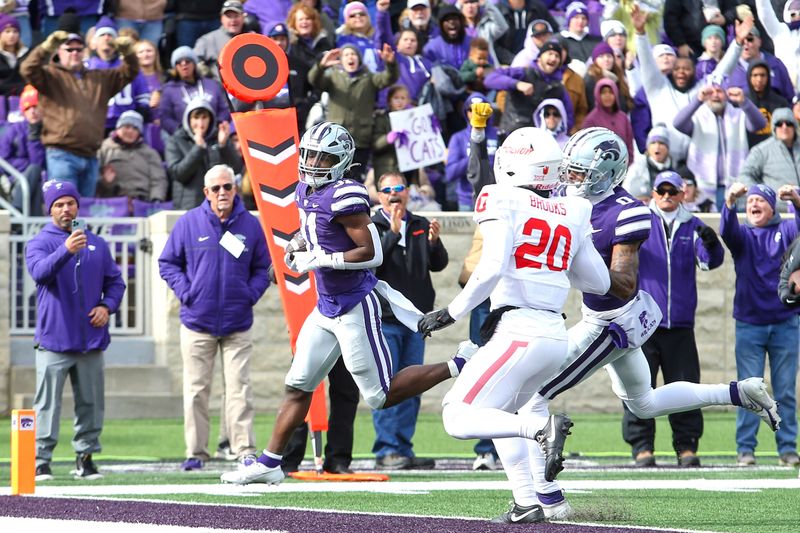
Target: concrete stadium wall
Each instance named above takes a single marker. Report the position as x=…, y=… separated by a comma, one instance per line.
x=271, y=358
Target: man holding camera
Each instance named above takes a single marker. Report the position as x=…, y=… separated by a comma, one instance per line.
x=78, y=287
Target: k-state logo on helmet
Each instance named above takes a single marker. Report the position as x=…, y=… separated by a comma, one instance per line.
x=610, y=150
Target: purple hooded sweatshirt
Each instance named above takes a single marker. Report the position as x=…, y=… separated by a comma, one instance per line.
x=615, y=120
x=68, y=287
x=757, y=257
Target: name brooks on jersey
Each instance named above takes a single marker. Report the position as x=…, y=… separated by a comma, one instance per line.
x=549, y=205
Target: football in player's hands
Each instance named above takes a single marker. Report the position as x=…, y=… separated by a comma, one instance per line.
x=296, y=244
x=794, y=282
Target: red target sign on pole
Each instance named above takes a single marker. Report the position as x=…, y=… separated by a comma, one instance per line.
x=253, y=67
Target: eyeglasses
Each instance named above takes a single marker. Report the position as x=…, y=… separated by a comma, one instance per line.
x=552, y=114
x=671, y=191
x=215, y=188
x=75, y=50
x=781, y=123
x=749, y=38
x=357, y=14
x=184, y=62
x=393, y=188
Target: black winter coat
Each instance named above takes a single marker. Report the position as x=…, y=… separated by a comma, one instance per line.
x=408, y=269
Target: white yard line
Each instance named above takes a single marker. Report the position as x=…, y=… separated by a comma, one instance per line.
x=84, y=526
x=413, y=487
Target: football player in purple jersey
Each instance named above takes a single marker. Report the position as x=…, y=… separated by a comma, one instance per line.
x=339, y=241
x=615, y=325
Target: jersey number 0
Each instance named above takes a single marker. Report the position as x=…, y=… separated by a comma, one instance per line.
x=530, y=255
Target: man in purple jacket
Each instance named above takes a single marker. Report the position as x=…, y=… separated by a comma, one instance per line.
x=216, y=262
x=678, y=245
x=21, y=145
x=763, y=323
x=78, y=286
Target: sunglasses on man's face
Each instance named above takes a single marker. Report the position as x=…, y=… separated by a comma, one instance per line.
x=782, y=123
x=393, y=188
x=671, y=191
x=75, y=50
x=215, y=188
x=548, y=114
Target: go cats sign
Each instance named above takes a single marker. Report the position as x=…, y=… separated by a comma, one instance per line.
x=419, y=142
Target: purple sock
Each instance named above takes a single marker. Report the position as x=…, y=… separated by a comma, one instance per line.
x=735, y=399
x=551, y=498
x=270, y=460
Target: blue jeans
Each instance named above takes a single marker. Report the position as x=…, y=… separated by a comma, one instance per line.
x=476, y=319
x=188, y=31
x=780, y=342
x=66, y=166
x=395, y=426
x=25, y=31
x=150, y=30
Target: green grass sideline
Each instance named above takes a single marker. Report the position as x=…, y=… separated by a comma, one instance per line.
x=594, y=435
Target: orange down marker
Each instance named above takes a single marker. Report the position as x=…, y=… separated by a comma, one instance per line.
x=23, y=451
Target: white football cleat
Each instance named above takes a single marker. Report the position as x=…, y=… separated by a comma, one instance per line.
x=557, y=511
x=251, y=471
x=754, y=396
x=485, y=461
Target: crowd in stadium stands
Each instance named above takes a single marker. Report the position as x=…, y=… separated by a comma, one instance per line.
x=551, y=64
x=125, y=100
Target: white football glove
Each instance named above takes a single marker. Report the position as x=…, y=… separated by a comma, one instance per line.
x=303, y=262
x=307, y=261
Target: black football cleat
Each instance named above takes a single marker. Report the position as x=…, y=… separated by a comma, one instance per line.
x=518, y=514
x=551, y=439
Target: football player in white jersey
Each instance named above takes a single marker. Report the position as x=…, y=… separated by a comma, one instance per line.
x=535, y=248
x=615, y=325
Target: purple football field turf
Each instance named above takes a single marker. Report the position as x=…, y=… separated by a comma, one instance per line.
x=257, y=518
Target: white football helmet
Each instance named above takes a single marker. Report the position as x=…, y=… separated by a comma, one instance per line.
x=326, y=152
x=528, y=157
x=600, y=155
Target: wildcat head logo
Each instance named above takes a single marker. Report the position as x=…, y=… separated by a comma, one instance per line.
x=26, y=423
x=610, y=150
x=347, y=141
x=643, y=319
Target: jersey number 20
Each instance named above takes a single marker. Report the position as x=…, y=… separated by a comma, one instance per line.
x=532, y=255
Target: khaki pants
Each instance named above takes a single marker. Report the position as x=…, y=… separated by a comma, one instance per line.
x=199, y=351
